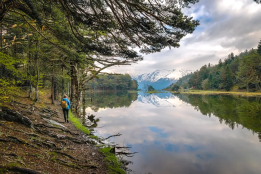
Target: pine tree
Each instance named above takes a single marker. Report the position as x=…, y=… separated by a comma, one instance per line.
x=259, y=48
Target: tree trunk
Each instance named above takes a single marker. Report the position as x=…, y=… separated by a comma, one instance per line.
x=62, y=82
x=257, y=86
x=55, y=89
x=28, y=68
x=1, y=36
x=37, y=69
x=73, y=83
x=52, y=89
x=69, y=89
x=247, y=88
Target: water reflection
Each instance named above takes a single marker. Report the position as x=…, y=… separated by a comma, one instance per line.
x=102, y=100
x=181, y=139
x=232, y=110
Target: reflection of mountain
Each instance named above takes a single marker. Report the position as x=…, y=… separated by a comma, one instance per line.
x=158, y=99
x=230, y=110
x=109, y=99
x=159, y=79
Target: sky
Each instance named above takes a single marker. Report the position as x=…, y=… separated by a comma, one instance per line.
x=226, y=26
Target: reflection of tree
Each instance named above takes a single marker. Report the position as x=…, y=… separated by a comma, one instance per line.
x=231, y=110
x=110, y=100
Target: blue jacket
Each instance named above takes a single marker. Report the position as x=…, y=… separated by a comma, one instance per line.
x=68, y=102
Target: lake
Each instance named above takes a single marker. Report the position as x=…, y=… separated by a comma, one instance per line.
x=181, y=134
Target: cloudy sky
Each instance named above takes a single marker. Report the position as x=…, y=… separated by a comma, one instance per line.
x=225, y=26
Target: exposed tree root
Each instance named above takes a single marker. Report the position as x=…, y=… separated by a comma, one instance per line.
x=65, y=154
x=19, y=169
x=61, y=137
x=9, y=154
x=73, y=165
x=62, y=129
x=10, y=115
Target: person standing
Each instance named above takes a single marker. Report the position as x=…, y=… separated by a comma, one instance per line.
x=66, y=106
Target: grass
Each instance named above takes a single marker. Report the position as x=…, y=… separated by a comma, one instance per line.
x=94, y=137
x=203, y=92
x=114, y=165
x=77, y=123
x=133, y=91
x=154, y=92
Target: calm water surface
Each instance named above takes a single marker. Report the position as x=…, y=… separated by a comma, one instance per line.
x=184, y=134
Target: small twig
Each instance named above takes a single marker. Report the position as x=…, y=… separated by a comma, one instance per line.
x=112, y=136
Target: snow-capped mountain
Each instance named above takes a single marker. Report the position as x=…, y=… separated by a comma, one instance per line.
x=159, y=79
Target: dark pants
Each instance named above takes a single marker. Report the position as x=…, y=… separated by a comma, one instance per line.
x=66, y=114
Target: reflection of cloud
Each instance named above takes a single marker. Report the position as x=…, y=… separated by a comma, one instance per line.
x=180, y=139
x=98, y=110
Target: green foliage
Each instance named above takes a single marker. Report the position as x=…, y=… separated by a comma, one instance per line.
x=113, y=82
x=10, y=77
x=205, y=84
x=259, y=48
x=112, y=162
x=249, y=70
x=150, y=88
x=243, y=71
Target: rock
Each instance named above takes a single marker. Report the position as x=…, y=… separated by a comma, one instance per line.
x=54, y=123
x=45, y=115
x=61, y=136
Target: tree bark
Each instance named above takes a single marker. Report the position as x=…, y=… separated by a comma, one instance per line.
x=55, y=89
x=1, y=36
x=28, y=67
x=73, y=84
x=37, y=69
x=52, y=89
x=62, y=82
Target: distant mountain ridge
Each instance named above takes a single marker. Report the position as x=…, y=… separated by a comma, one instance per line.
x=159, y=79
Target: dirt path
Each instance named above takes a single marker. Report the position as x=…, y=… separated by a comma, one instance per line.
x=41, y=147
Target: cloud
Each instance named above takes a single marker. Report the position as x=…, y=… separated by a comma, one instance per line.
x=225, y=26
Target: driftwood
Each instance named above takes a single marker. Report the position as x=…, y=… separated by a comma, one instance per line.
x=126, y=153
x=20, y=170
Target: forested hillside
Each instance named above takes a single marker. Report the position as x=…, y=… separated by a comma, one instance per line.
x=113, y=82
x=241, y=72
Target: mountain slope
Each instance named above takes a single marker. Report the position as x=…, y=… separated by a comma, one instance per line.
x=159, y=79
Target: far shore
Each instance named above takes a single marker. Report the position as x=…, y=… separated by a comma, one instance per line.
x=239, y=93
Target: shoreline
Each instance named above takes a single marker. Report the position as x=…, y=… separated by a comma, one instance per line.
x=203, y=92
